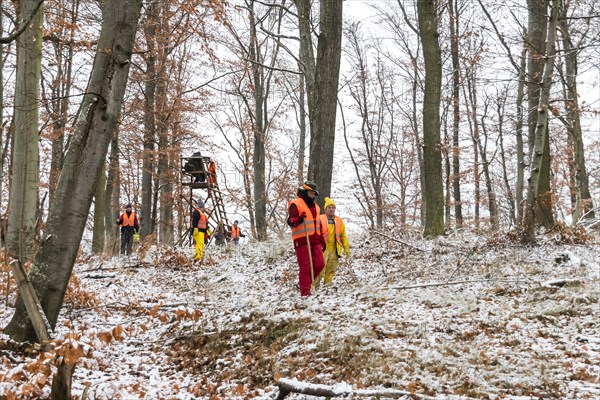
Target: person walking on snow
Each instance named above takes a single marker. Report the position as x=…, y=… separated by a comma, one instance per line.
x=236, y=233
x=334, y=235
x=199, y=225
x=303, y=218
x=129, y=225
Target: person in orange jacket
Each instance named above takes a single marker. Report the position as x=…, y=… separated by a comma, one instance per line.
x=236, y=233
x=212, y=174
x=303, y=218
x=129, y=226
x=336, y=242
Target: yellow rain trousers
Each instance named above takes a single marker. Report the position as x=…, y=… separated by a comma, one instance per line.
x=199, y=240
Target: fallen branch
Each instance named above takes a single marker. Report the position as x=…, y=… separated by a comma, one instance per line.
x=287, y=386
x=400, y=241
x=558, y=283
x=455, y=283
x=32, y=303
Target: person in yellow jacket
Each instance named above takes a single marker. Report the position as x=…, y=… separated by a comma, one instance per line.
x=199, y=225
x=336, y=242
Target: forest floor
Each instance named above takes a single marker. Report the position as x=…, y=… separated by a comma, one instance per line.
x=463, y=316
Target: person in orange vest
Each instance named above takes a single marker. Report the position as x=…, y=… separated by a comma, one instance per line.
x=212, y=174
x=303, y=218
x=129, y=225
x=236, y=233
x=336, y=241
x=199, y=225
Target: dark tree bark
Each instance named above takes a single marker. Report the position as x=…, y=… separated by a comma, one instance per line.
x=259, y=156
x=432, y=154
x=324, y=94
x=85, y=156
x=150, y=34
x=454, y=34
x=112, y=195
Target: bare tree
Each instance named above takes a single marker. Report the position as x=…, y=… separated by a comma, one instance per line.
x=432, y=156
x=20, y=236
x=454, y=14
x=583, y=200
x=536, y=40
x=85, y=156
x=322, y=77
x=374, y=102
x=535, y=185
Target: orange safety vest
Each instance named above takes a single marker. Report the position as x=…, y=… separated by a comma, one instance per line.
x=128, y=221
x=235, y=232
x=338, y=228
x=202, y=222
x=311, y=224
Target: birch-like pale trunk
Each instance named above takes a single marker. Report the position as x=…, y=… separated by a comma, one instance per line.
x=541, y=132
x=537, y=28
x=98, y=118
x=20, y=237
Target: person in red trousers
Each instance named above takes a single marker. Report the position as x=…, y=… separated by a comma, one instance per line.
x=303, y=218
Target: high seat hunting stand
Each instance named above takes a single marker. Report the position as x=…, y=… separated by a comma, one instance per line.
x=199, y=173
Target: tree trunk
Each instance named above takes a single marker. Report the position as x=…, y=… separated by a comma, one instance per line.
x=2, y=159
x=258, y=158
x=302, y=119
x=112, y=195
x=541, y=132
x=536, y=39
x=325, y=94
x=471, y=102
x=99, y=211
x=62, y=381
x=500, y=109
x=448, y=176
x=583, y=199
x=150, y=29
x=432, y=155
x=491, y=194
x=454, y=24
x=25, y=169
x=306, y=61
x=519, y=132
x=97, y=121
x=165, y=112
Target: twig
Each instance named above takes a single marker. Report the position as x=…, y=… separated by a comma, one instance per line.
x=399, y=241
x=460, y=264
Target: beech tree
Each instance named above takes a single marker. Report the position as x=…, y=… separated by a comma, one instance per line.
x=20, y=236
x=432, y=155
x=536, y=39
x=322, y=77
x=536, y=184
x=97, y=121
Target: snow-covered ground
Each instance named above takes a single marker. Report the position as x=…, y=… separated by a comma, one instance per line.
x=459, y=317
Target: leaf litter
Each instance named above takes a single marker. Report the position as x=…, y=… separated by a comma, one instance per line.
x=457, y=317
